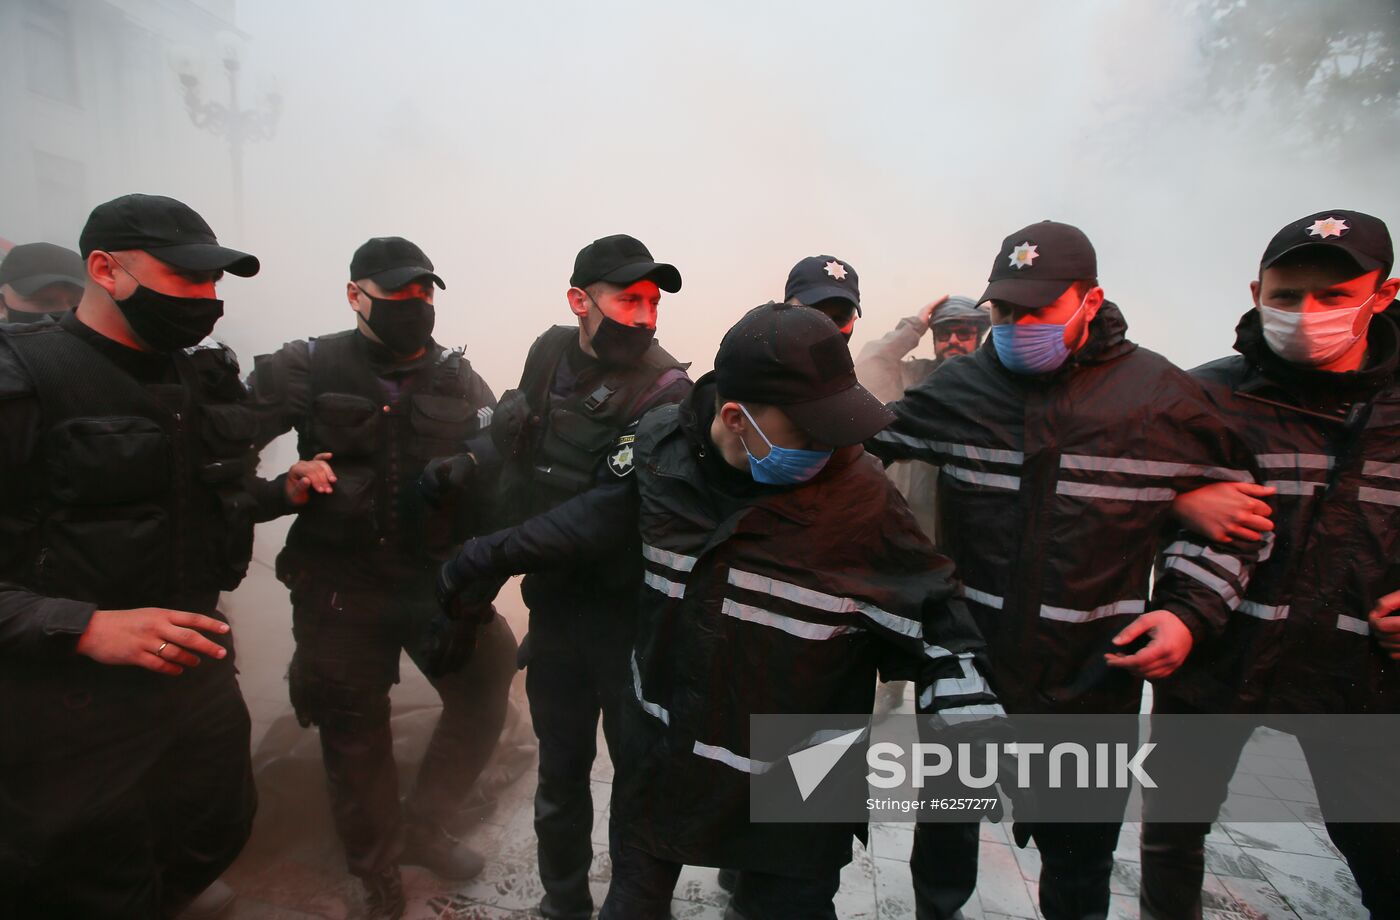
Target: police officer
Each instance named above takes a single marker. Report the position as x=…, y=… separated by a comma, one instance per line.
x=129, y=503
x=829, y=285
x=39, y=281
x=1061, y=448
x=780, y=565
x=1314, y=390
x=371, y=406
x=565, y=439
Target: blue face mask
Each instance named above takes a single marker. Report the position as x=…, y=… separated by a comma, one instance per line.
x=1033, y=348
x=784, y=466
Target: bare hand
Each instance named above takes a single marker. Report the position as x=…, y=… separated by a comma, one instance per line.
x=154, y=638
x=1170, y=644
x=306, y=475
x=1385, y=627
x=1222, y=511
x=926, y=311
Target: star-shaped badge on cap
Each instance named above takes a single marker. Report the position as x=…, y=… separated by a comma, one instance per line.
x=836, y=270
x=1023, y=255
x=1324, y=227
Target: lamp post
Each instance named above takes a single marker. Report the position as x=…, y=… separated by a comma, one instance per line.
x=229, y=120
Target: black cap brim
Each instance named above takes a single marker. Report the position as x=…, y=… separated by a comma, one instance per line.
x=207, y=257
x=1025, y=292
x=392, y=279
x=1364, y=262
x=666, y=276
x=849, y=417
x=816, y=295
x=28, y=286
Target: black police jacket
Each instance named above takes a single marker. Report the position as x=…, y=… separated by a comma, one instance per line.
x=786, y=604
x=1330, y=444
x=1054, y=498
x=382, y=419
x=570, y=432
x=119, y=492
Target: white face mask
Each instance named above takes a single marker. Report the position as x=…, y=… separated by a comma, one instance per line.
x=1314, y=338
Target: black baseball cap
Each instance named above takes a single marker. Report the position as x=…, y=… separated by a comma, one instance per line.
x=1037, y=264
x=793, y=357
x=818, y=278
x=168, y=229
x=391, y=262
x=1362, y=237
x=621, y=259
x=956, y=309
x=30, y=267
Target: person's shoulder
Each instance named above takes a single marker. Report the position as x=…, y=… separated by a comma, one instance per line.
x=14, y=379
x=1222, y=371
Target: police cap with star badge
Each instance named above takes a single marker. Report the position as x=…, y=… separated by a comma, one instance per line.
x=818, y=278
x=1037, y=264
x=1362, y=237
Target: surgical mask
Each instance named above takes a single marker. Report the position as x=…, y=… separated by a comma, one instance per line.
x=615, y=343
x=784, y=466
x=1033, y=348
x=1311, y=338
x=404, y=326
x=166, y=322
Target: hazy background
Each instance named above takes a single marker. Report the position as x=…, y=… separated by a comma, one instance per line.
x=735, y=138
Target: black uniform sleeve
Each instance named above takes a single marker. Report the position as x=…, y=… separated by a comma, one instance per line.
x=37, y=628
x=585, y=527
x=1201, y=581
x=32, y=626
x=914, y=433
x=279, y=389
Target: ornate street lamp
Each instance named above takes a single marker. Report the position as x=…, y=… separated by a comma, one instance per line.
x=231, y=121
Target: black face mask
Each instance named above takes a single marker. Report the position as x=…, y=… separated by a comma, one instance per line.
x=404, y=326
x=169, y=323
x=615, y=343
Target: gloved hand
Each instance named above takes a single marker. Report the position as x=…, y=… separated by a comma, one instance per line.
x=444, y=477
x=456, y=593
x=449, y=641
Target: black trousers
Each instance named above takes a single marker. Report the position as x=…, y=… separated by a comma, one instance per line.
x=578, y=660
x=642, y=886
x=1173, y=854
x=346, y=661
x=132, y=795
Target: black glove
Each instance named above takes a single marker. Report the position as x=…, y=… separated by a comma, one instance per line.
x=449, y=641
x=456, y=595
x=444, y=477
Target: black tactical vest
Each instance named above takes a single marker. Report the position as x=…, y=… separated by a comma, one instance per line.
x=136, y=493
x=380, y=448
x=568, y=438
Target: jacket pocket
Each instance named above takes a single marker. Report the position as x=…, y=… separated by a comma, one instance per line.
x=441, y=425
x=346, y=513
x=345, y=424
x=118, y=558
x=108, y=461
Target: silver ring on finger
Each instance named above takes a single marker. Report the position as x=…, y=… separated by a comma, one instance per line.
x=160, y=650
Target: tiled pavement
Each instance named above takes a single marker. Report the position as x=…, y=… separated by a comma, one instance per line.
x=292, y=870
